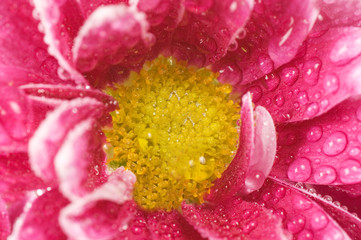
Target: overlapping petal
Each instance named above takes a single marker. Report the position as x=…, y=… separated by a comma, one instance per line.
x=5, y=227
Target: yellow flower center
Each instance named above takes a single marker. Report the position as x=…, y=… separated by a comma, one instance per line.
x=175, y=129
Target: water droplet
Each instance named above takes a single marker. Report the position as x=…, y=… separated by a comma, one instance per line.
x=305, y=235
x=303, y=97
x=314, y=134
x=265, y=63
x=354, y=151
x=230, y=73
x=206, y=43
x=233, y=46
x=256, y=92
x=296, y=224
x=302, y=203
x=312, y=109
x=254, y=180
x=350, y=172
x=324, y=104
x=324, y=175
x=311, y=70
x=335, y=144
x=331, y=83
x=319, y=220
x=279, y=100
x=289, y=75
x=272, y=81
x=299, y=170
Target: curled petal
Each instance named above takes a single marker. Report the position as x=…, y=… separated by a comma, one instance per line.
x=50, y=135
x=309, y=86
x=112, y=35
x=255, y=154
x=40, y=221
x=87, y=7
x=61, y=21
x=102, y=213
x=325, y=150
x=233, y=219
x=79, y=163
x=300, y=215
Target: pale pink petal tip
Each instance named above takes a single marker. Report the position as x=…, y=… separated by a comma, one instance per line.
x=50, y=135
x=5, y=226
x=102, y=213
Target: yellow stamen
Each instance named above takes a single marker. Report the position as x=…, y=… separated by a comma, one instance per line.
x=175, y=129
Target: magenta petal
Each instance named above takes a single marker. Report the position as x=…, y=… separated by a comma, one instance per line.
x=4, y=221
x=41, y=220
x=327, y=74
x=204, y=36
x=21, y=44
x=255, y=154
x=235, y=219
x=171, y=225
x=50, y=135
x=324, y=150
x=102, y=213
x=304, y=218
x=80, y=161
x=271, y=38
x=109, y=35
x=15, y=112
x=61, y=21
x=17, y=177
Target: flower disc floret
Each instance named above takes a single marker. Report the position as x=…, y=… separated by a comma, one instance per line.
x=176, y=129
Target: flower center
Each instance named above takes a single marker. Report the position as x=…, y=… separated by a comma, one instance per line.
x=175, y=129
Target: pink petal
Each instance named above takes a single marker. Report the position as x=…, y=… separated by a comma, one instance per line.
x=61, y=20
x=16, y=115
x=235, y=219
x=204, y=35
x=325, y=150
x=17, y=177
x=112, y=35
x=171, y=225
x=102, y=213
x=80, y=161
x=271, y=38
x=327, y=74
x=87, y=7
x=41, y=220
x=303, y=217
x=21, y=44
x=68, y=92
x=50, y=135
x=5, y=227
x=254, y=157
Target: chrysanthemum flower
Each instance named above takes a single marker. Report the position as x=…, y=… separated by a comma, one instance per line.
x=180, y=119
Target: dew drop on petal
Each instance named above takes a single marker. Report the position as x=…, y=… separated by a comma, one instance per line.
x=303, y=97
x=335, y=144
x=314, y=134
x=299, y=170
x=265, y=63
x=289, y=75
x=350, y=172
x=272, y=81
x=311, y=70
x=296, y=224
x=256, y=92
x=331, y=83
x=302, y=203
x=319, y=220
x=312, y=109
x=324, y=175
x=254, y=180
x=305, y=235
x=279, y=100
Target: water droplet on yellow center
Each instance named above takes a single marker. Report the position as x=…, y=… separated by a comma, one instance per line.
x=175, y=129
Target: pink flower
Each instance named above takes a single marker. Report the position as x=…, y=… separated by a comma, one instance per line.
x=297, y=61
